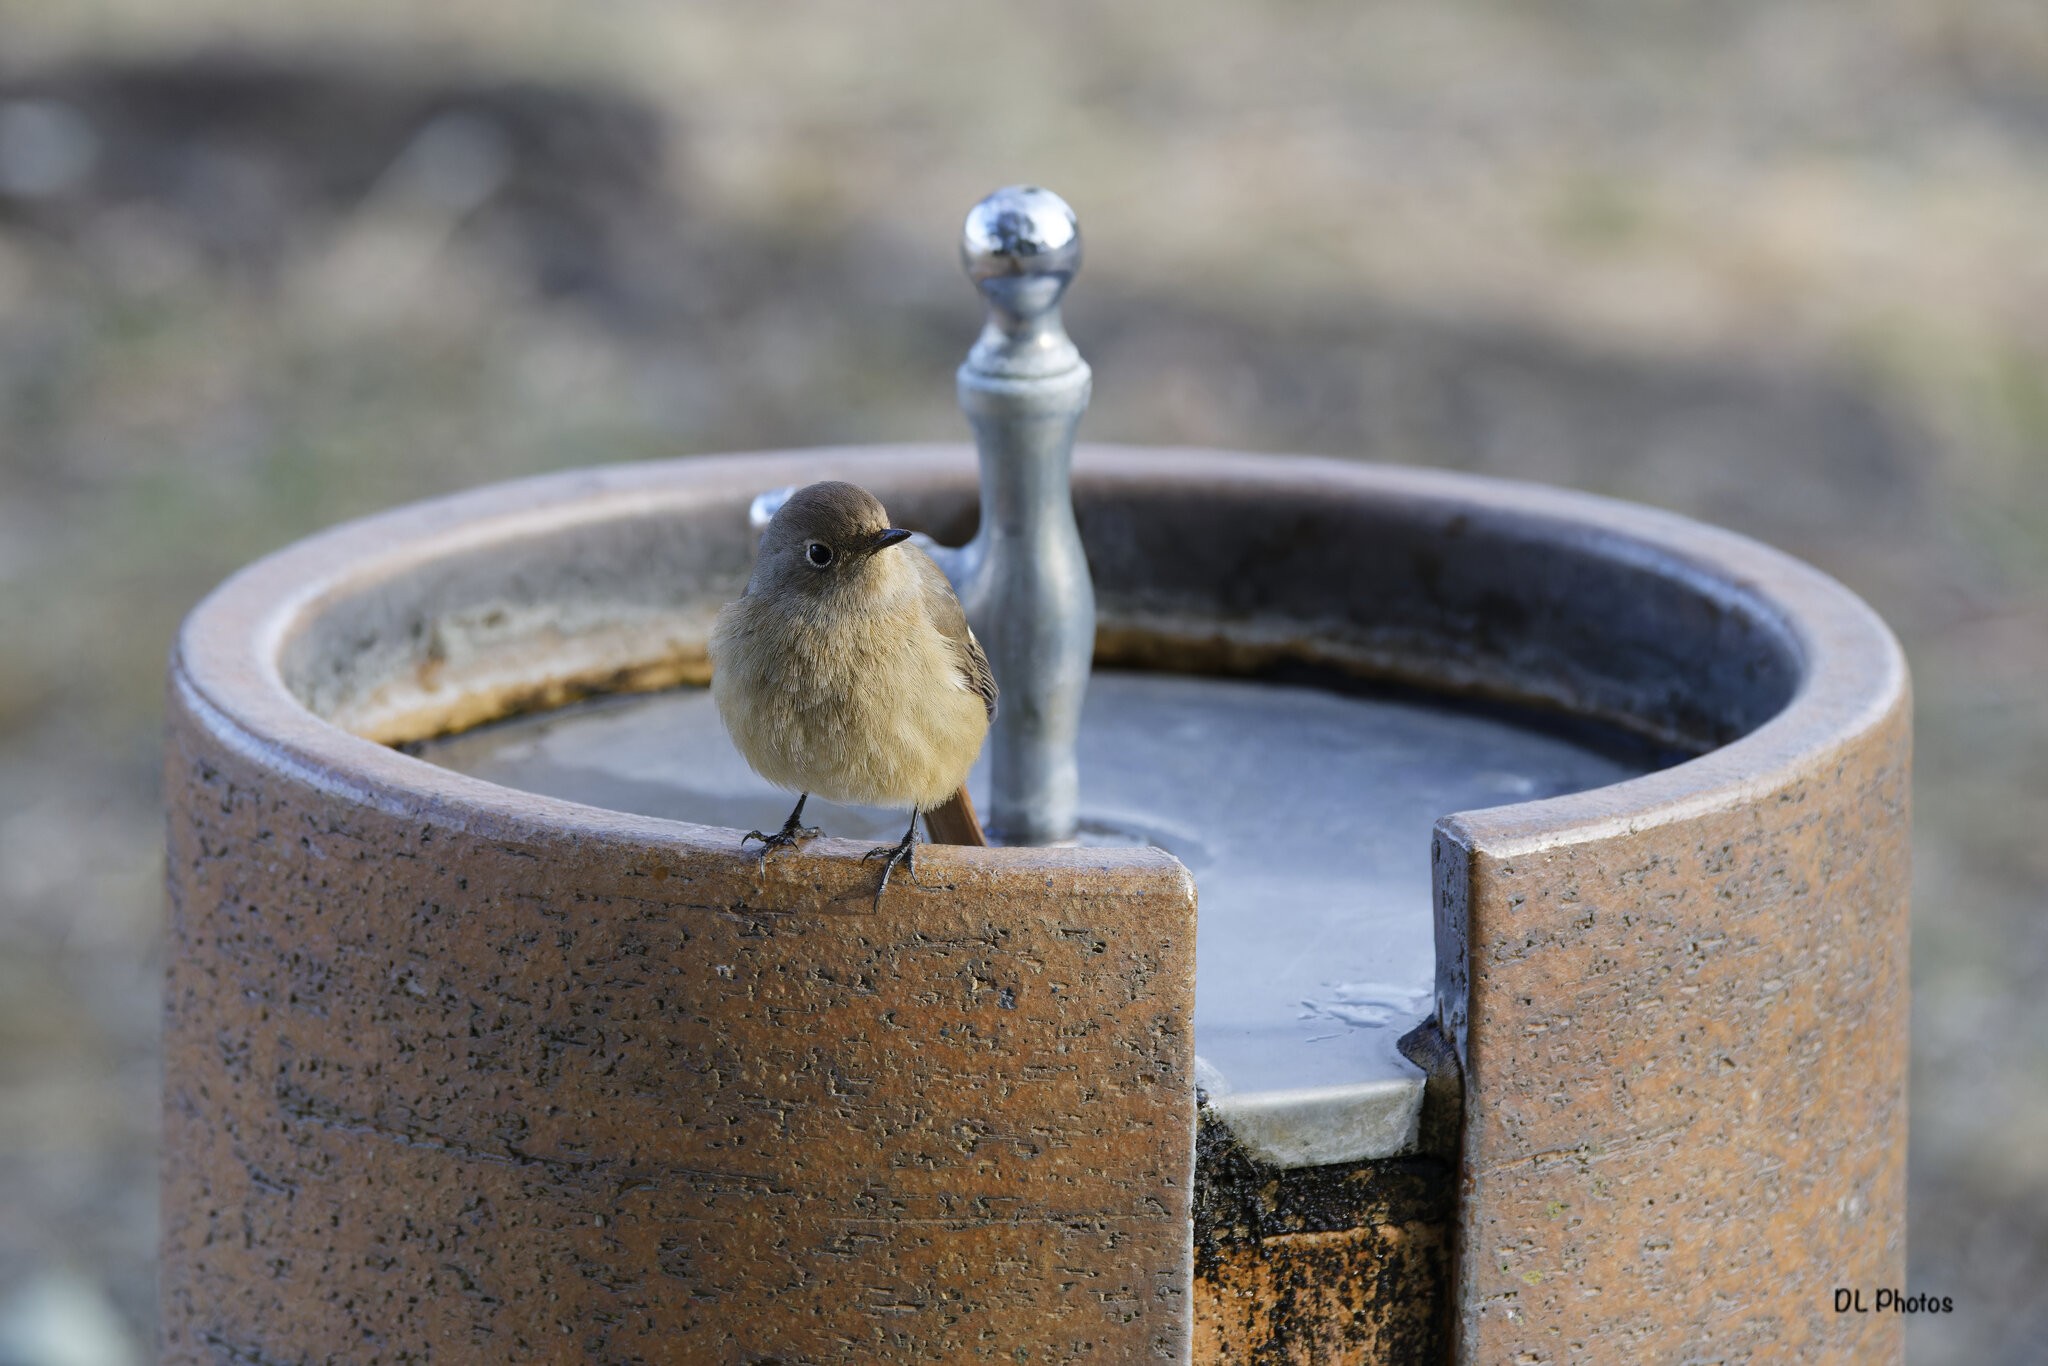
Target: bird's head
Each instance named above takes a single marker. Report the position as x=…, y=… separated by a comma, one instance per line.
x=824, y=541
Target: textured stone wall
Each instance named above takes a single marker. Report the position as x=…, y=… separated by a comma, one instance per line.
x=1686, y=1057
x=479, y=1092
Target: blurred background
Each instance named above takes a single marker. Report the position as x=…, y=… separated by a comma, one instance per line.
x=264, y=266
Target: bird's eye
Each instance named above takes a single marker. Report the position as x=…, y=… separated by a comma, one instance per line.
x=818, y=553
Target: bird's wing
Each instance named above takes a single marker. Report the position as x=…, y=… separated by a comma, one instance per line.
x=943, y=608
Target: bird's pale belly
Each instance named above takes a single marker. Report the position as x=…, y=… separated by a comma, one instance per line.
x=874, y=730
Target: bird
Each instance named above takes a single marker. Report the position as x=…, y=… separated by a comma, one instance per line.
x=847, y=670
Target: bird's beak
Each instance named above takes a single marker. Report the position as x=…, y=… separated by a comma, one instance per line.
x=887, y=537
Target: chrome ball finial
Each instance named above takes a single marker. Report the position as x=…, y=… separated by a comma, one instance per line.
x=1022, y=247
x=1021, y=230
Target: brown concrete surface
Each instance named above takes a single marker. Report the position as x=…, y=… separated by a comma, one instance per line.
x=494, y=1094
x=1686, y=1095
x=459, y=1071
x=1681, y=1005
x=481, y=1092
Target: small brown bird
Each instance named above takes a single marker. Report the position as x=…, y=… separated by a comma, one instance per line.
x=847, y=669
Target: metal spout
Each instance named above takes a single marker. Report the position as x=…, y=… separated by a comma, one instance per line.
x=1024, y=578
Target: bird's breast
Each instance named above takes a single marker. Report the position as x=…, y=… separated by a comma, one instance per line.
x=864, y=707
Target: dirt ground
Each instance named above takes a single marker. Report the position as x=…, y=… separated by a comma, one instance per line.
x=1776, y=265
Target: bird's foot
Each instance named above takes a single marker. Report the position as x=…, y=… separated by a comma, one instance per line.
x=790, y=836
x=903, y=852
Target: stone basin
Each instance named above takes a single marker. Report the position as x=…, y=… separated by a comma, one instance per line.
x=469, y=979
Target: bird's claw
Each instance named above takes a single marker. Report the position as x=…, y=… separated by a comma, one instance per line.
x=904, y=853
x=790, y=836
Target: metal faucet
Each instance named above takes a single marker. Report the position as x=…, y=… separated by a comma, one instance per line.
x=1023, y=579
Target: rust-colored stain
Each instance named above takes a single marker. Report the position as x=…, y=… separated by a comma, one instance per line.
x=1345, y=1295
x=490, y=1093
x=1320, y=1264
x=430, y=710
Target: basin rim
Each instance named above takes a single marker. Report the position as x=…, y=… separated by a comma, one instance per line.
x=226, y=655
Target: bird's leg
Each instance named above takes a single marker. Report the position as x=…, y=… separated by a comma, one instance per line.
x=903, y=852
x=791, y=836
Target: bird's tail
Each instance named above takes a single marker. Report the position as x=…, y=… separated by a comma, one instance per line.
x=955, y=822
